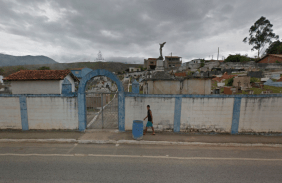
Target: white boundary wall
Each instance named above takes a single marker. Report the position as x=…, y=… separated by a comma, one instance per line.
x=207, y=114
x=10, y=114
x=52, y=113
x=261, y=115
x=162, y=110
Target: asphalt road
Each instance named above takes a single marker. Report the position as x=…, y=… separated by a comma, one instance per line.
x=36, y=162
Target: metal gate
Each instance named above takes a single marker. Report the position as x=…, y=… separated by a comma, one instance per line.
x=102, y=110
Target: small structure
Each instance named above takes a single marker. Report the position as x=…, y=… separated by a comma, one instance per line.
x=134, y=69
x=271, y=58
x=164, y=83
x=150, y=63
x=244, y=82
x=172, y=61
x=42, y=82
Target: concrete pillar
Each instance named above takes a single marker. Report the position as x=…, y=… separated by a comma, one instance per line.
x=135, y=87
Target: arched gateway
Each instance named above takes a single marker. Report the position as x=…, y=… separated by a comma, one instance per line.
x=82, y=98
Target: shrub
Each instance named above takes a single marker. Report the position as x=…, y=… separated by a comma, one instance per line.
x=237, y=58
x=229, y=82
x=254, y=80
x=44, y=68
x=1, y=70
x=21, y=68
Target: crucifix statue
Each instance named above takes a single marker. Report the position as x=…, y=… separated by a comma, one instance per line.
x=161, y=51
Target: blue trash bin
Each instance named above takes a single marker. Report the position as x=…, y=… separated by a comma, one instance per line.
x=137, y=129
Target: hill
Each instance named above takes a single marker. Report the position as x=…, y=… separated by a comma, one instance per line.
x=111, y=66
x=9, y=60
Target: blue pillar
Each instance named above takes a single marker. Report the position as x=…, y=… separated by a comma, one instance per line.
x=177, y=114
x=121, y=111
x=81, y=111
x=236, y=115
x=135, y=87
x=24, y=118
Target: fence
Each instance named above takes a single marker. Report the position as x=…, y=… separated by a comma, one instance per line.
x=208, y=113
x=38, y=112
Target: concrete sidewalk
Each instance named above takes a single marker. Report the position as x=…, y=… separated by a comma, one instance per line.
x=115, y=137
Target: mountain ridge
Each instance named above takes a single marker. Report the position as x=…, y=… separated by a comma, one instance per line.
x=10, y=60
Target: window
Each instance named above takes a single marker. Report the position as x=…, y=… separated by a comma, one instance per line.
x=152, y=62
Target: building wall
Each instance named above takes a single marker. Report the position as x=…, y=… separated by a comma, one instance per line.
x=271, y=59
x=52, y=112
x=10, y=113
x=162, y=111
x=196, y=86
x=188, y=86
x=40, y=86
x=166, y=87
x=206, y=114
x=261, y=115
x=36, y=87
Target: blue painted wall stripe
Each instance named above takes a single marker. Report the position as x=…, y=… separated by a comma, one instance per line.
x=127, y=94
x=236, y=115
x=177, y=114
x=24, y=117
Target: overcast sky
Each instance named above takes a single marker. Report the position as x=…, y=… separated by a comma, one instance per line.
x=130, y=30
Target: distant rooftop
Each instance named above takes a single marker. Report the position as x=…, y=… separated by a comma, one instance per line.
x=29, y=75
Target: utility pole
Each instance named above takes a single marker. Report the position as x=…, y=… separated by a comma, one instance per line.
x=218, y=53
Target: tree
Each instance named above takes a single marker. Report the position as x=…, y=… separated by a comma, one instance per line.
x=274, y=48
x=44, y=68
x=260, y=34
x=237, y=58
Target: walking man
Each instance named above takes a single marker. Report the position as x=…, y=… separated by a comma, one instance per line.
x=150, y=121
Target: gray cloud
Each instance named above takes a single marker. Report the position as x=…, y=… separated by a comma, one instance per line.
x=72, y=30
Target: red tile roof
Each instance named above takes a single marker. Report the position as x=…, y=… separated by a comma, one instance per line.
x=28, y=75
x=224, y=76
x=279, y=80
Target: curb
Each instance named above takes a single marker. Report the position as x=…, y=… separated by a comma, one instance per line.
x=141, y=142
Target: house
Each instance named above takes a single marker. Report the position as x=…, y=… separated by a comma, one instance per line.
x=80, y=72
x=172, y=61
x=164, y=83
x=42, y=82
x=150, y=63
x=271, y=58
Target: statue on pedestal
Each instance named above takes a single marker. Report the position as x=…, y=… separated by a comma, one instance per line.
x=161, y=51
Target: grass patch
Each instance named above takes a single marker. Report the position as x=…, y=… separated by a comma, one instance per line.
x=130, y=88
x=273, y=88
x=221, y=90
x=214, y=85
